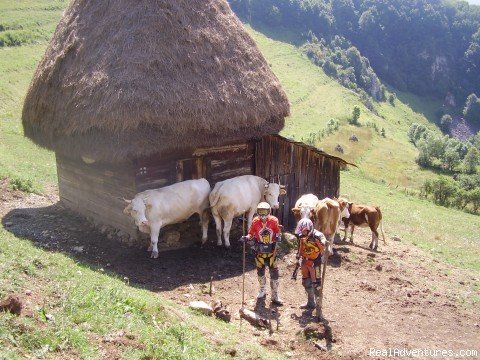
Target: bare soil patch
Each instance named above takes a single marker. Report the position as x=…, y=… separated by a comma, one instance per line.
x=398, y=297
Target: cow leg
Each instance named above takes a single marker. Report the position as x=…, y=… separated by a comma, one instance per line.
x=374, y=244
x=331, y=239
x=345, y=229
x=204, y=218
x=226, y=231
x=218, y=227
x=154, y=233
x=251, y=212
x=351, y=233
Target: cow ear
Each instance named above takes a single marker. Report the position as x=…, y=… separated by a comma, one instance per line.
x=127, y=210
x=295, y=210
x=266, y=186
x=283, y=191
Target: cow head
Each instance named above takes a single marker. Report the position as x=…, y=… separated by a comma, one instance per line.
x=137, y=209
x=303, y=212
x=272, y=192
x=345, y=207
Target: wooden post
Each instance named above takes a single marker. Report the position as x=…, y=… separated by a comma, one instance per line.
x=243, y=272
x=320, y=292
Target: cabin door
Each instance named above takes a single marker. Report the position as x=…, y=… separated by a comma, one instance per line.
x=287, y=202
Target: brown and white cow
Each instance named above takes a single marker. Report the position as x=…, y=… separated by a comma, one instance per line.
x=363, y=216
x=304, y=207
x=328, y=213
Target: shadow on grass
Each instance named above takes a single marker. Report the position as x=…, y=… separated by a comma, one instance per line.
x=56, y=229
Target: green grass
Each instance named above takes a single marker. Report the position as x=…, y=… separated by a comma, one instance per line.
x=89, y=306
x=449, y=234
x=317, y=98
x=386, y=166
x=19, y=157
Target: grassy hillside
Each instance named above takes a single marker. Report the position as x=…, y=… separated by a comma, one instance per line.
x=386, y=166
x=316, y=99
x=89, y=305
x=29, y=23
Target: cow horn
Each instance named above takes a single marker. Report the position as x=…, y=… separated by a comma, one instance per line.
x=127, y=201
x=282, y=187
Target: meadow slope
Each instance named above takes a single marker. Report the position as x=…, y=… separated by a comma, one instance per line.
x=112, y=302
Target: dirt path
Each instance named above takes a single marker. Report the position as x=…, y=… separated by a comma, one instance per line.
x=399, y=297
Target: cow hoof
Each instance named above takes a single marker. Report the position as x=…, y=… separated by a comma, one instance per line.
x=219, y=244
x=154, y=254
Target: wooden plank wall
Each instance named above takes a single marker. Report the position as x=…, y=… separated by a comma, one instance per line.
x=301, y=168
x=213, y=163
x=96, y=190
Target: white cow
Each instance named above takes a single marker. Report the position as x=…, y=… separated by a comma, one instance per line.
x=154, y=209
x=238, y=195
x=304, y=207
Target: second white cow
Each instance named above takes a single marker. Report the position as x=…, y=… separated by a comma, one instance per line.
x=239, y=195
x=154, y=209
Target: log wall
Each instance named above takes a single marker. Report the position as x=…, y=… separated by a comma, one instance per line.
x=96, y=191
x=301, y=168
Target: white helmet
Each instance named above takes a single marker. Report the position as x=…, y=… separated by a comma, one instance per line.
x=263, y=209
x=304, y=224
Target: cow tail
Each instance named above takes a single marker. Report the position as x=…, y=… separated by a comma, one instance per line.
x=216, y=197
x=381, y=223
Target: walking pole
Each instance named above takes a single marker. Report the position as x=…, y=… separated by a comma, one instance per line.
x=320, y=295
x=243, y=272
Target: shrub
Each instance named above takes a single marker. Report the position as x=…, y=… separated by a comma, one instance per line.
x=471, y=111
x=25, y=185
x=471, y=160
x=355, y=116
x=391, y=99
x=445, y=122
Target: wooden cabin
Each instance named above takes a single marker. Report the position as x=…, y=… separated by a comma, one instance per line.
x=96, y=190
x=131, y=102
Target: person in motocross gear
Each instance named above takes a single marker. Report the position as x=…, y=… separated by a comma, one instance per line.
x=312, y=245
x=263, y=236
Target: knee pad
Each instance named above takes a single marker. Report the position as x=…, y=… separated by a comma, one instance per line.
x=261, y=271
x=307, y=283
x=274, y=273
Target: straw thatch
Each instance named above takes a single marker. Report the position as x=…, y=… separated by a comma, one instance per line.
x=124, y=79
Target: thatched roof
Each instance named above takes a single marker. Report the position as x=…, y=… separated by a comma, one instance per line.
x=124, y=79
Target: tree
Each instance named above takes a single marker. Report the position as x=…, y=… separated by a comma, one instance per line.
x=391, y=99
x=471, y=111
x=443, y=189
x=446, y=122
x=423, y=159
x=472, y=159
x=451, y=159
x=474, y=198
x=355, y=116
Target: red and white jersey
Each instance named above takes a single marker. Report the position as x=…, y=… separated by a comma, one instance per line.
x=265, y=233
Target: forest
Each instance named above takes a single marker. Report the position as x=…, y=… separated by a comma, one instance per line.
x=430, y=48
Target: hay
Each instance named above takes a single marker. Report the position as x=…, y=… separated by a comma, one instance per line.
x=124, y=79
